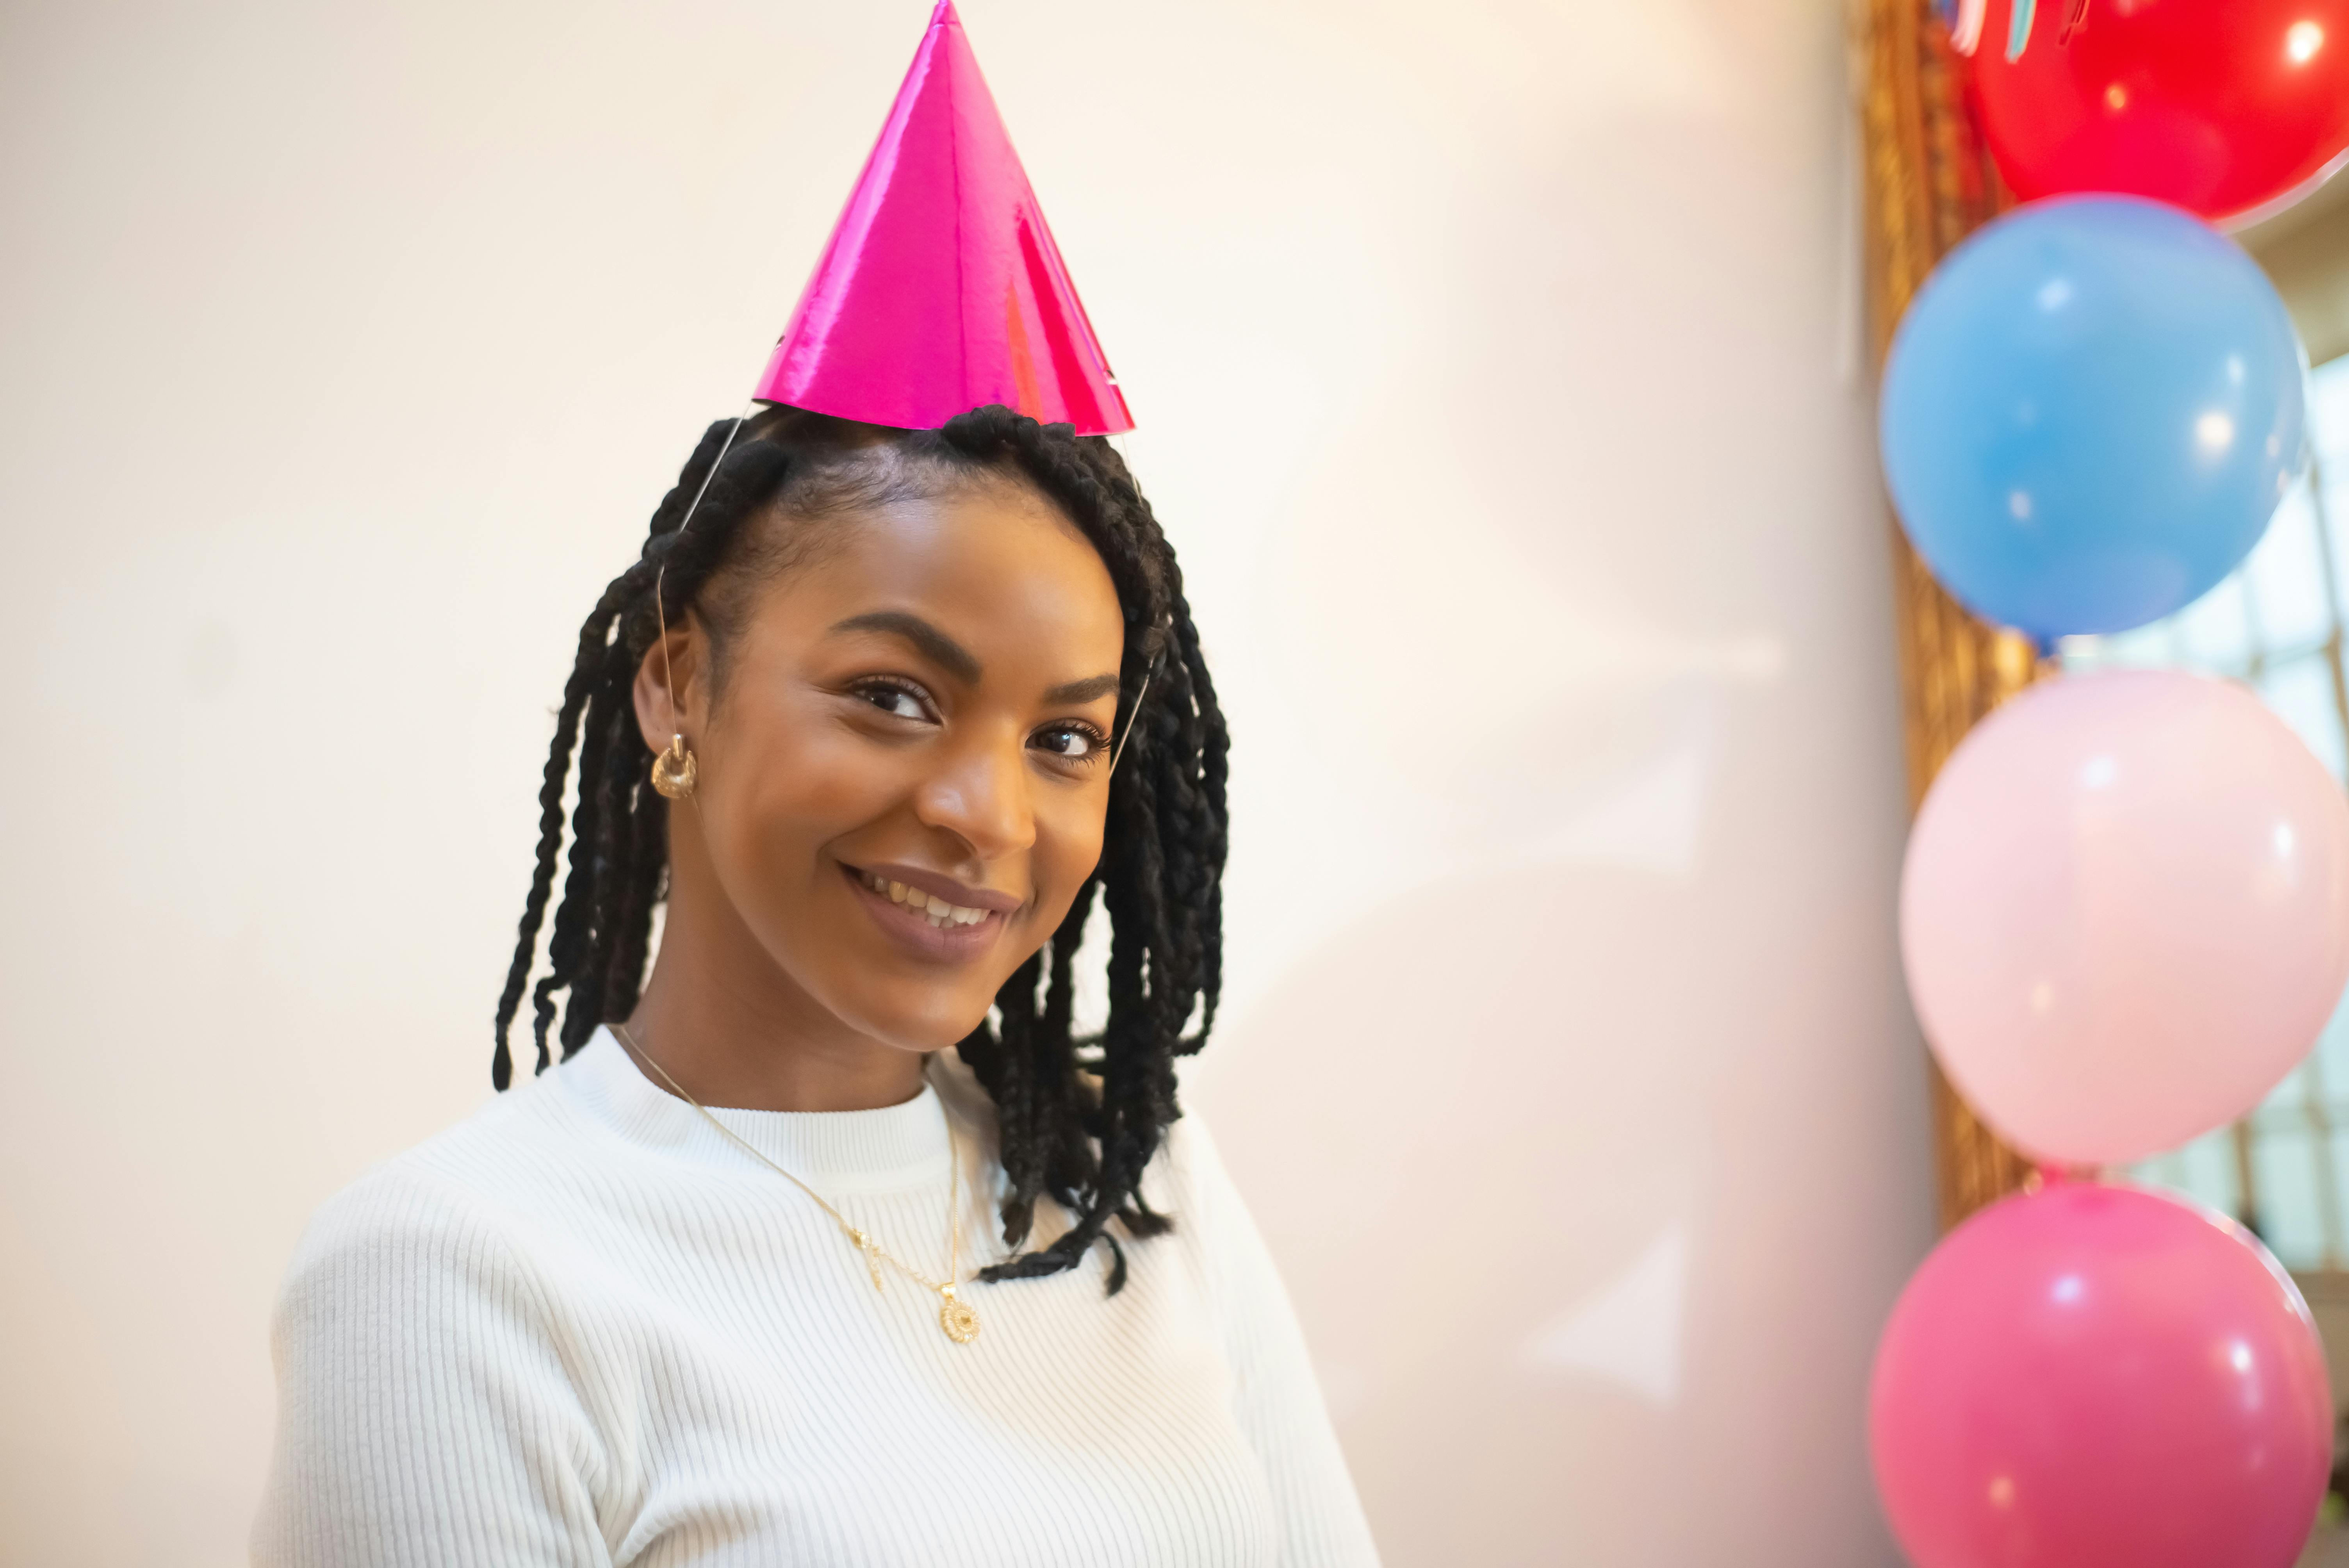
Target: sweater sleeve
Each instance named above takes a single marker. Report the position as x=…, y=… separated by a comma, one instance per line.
x=425, y=1411
x=1278, y=1402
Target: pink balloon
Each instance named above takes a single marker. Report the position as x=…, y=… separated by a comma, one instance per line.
x=2100, y=1376
x=2126, y=911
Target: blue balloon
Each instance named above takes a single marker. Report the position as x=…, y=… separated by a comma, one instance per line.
x=2090, y=413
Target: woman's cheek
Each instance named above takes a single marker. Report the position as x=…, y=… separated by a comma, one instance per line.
x=1067, y=849
x=806, y=796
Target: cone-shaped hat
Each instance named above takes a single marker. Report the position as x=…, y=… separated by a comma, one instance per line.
x=941, y=290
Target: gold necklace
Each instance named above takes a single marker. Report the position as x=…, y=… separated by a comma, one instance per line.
x=954, y=1315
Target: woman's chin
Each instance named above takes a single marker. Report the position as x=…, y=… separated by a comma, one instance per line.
x=918, y=1029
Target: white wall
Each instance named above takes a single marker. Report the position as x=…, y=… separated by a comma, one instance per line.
x=1494, y=361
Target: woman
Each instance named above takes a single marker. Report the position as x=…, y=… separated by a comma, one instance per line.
x=831, y=1241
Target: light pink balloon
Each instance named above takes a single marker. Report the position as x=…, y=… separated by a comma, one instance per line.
x=2100, y=1376
x=2126, y=911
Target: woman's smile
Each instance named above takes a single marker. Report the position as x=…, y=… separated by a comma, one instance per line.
x=931, y=916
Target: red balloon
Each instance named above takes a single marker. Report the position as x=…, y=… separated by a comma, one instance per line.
x=2100, y=1376
x=2221, y=107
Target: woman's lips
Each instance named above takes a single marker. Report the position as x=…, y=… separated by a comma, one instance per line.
x=927, y=925
x=942, y=887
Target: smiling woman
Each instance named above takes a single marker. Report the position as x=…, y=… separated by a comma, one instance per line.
x=898, y=656
x=896, y=695
x=908, y=672
x=861, y=726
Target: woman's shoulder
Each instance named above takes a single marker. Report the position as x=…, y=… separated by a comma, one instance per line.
x=459, y=1195
x=426, y=1350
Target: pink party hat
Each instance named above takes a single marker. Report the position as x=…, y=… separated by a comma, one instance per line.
x=941, y=290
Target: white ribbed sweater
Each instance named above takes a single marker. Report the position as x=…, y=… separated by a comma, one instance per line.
x=583, y=1329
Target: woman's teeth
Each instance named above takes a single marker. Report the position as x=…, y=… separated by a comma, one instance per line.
x=939, y=913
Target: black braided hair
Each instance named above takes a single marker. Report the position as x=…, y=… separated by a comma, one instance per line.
x=1079, y=1118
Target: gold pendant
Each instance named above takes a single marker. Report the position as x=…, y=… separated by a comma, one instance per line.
x=871, y=1250
x=956, y=1319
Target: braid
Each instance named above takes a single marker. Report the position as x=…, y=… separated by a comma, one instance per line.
x=1161, y=879
x=619, y=847
x=1078, y=1120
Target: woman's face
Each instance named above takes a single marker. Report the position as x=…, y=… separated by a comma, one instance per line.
x=904, y=778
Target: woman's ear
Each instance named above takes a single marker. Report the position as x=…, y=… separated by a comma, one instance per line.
x=662, y=709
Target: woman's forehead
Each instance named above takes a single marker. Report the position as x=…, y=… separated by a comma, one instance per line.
x=998, y=561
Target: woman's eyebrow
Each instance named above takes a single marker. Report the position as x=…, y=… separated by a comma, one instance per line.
x=928, y=641
x=1086, y=690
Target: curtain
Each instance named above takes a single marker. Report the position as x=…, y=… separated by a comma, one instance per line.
x=1929, y=182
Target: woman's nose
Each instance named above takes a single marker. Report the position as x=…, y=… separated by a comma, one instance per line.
x=980, y=794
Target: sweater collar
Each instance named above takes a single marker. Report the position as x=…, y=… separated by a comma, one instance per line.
x=897, y=1146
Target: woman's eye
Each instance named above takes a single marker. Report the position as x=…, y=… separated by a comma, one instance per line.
x=1069, y=740
x=895, y=701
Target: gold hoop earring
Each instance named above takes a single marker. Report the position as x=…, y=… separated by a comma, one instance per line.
x=674, y=771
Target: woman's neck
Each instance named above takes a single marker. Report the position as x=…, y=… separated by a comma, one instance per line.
x=734, y=1030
